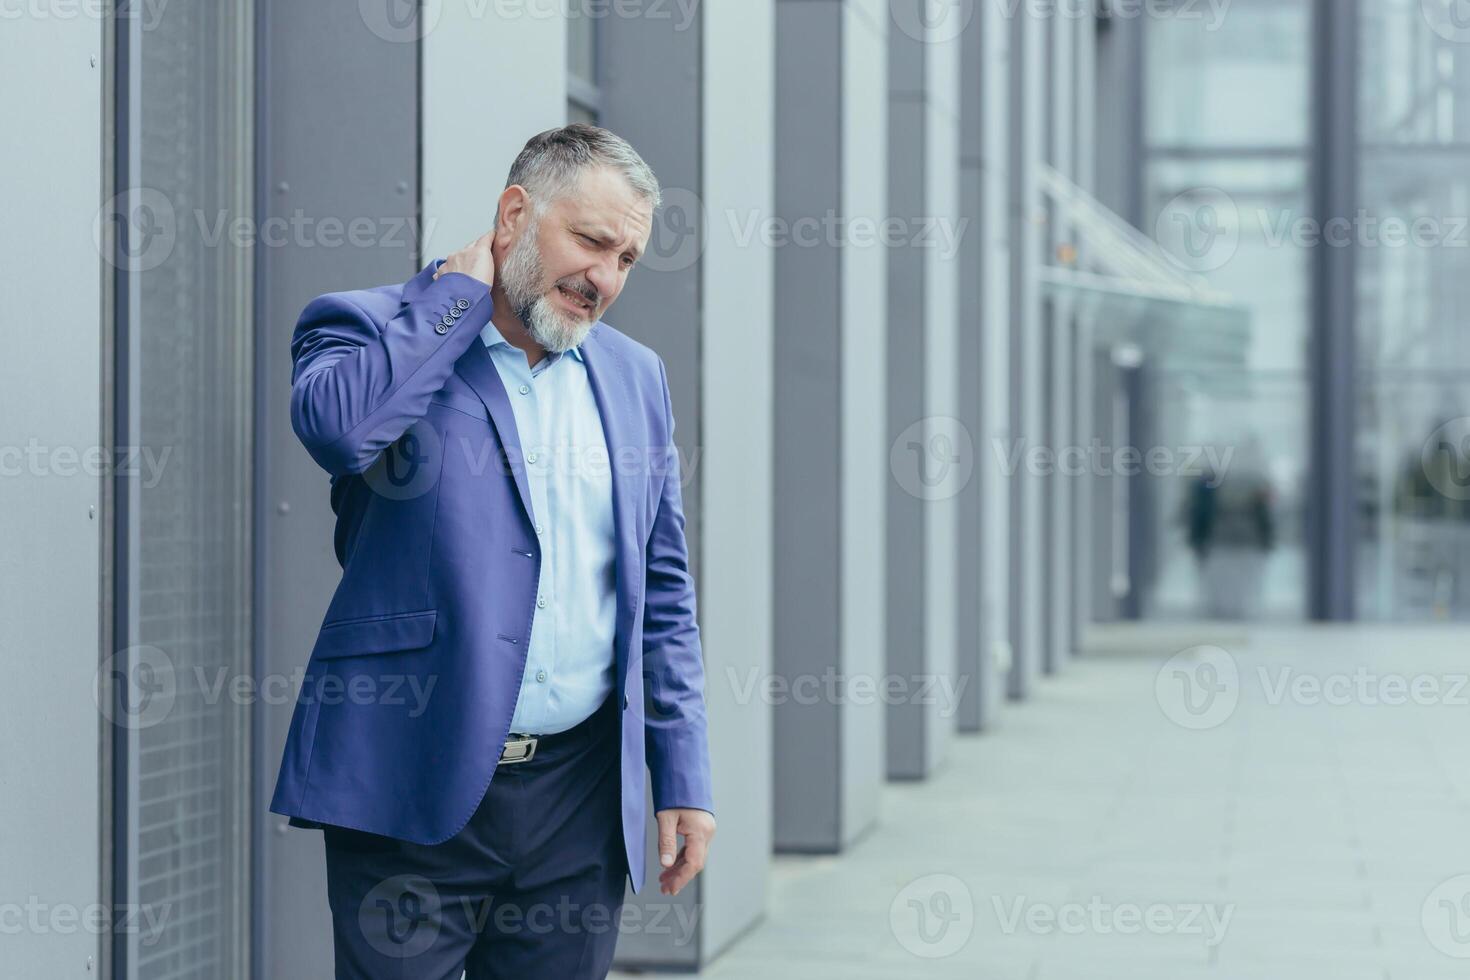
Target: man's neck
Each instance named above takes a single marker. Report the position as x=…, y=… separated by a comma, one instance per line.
x=513, y=330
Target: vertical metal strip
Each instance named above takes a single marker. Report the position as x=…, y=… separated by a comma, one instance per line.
x=124, y=93
x=1331, y=524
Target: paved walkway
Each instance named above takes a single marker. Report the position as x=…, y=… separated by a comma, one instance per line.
x=1286, y=820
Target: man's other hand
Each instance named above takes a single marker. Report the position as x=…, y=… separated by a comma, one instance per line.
x=697, y=827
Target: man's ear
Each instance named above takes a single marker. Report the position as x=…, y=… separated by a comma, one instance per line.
x=511, y=215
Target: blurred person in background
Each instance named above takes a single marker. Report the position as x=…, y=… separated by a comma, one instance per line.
x=1230, y=528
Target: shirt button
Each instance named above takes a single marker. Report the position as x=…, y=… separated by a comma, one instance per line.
x=541, y=675
x=525, y=389
x=531, y=457
x=540, y=529
x=541, y=602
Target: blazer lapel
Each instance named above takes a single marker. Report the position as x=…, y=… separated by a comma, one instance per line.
x=609, y=379
x=478, y=371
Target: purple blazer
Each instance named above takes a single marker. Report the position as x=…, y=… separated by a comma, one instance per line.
x=412, y=681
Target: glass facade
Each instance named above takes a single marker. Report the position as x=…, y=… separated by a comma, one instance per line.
x=1412, y=347
x=1226, y=171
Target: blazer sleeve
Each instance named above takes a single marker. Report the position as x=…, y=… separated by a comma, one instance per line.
x=677, y=744
x=356, y=387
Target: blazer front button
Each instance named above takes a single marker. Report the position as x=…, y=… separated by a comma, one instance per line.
x=625, y=702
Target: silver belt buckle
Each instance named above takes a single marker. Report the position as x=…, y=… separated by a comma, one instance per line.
x=518, y=748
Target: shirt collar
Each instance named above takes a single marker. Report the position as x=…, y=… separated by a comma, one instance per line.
x=491, y=335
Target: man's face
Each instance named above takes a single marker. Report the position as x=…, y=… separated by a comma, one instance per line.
x=564, y=271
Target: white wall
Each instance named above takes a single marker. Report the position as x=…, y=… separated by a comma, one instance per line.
x=50, y=507
x=494, y=76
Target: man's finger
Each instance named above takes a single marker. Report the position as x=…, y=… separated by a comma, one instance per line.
x=696, y=848
x=679, y=875
x=668, y=825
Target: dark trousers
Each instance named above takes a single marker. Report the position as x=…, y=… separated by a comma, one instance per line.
x=532, y=887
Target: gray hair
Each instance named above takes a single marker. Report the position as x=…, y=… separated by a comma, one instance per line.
x=552, y=162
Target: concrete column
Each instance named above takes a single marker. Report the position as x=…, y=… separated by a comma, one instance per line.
x=1028, y=389
x=970, y=660
x=831, y=455
x=996, y=229
x=490, y=83
x=932, y=452
x=693, y=92
x=1084, y=130
x=1060, y=346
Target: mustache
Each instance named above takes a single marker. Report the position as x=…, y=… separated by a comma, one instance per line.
x=583, y=289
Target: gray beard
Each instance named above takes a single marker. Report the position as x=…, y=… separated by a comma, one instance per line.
x=524, y=281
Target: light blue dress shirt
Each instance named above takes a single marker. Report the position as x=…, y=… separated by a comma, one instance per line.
x=570, y=666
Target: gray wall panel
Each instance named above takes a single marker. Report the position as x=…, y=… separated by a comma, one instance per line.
x=907, y=626
x=831, y=452
x=319, y=154
x=660, y=306
x=970, y=662
x=807, y=575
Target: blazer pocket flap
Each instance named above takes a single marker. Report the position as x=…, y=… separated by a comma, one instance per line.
x=384, y=634
x=468, y=404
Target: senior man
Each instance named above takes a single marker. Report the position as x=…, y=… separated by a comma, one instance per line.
x=511, y=535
